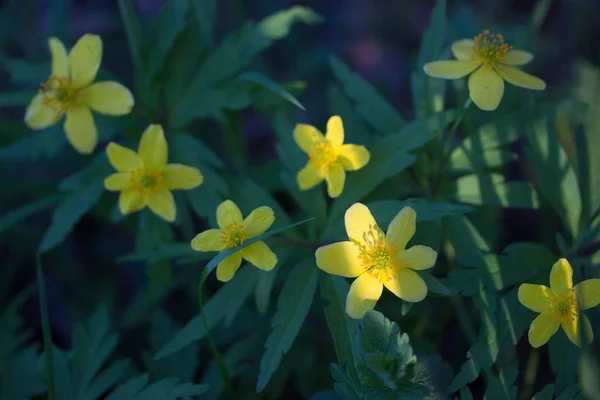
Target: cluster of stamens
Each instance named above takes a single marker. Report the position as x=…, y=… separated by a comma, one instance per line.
x=376, y=254
x=59, y=93
x=146, y=180
x=564, y=307
x=323, y=155
x=233, y=235
x=490, y=48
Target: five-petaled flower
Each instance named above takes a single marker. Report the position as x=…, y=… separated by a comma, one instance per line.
x=492, y=60
x=377, y=259
x=233, y=231
x=69, y=91
x=328, y=157
x=559, y=304
x=145, y=178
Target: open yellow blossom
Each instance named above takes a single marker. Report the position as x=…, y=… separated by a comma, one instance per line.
x=233, y=231
x=69, y=91
x=328, y=157
x=377, y=259
x=145, y=178
x=492, y=62
x=559, y=304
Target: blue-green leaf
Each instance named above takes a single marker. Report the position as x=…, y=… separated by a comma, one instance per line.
x=267, y=83
x=133, y=30
x=36, y=145
x=13, y=217
x=547, y=393
x=491, y=189
x=385, y=210
x=165, y=389
x=277, y=26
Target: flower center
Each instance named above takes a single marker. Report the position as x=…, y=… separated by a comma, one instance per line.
x=233, y=235
x=564, y=307
x=59, y=93
x=377, y=256
x=490, y=48
x=147, y=180
x=323, y=155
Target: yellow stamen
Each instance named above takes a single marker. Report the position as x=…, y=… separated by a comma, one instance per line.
x=147, y=180
x=323, y=155
x=59, y=93
x=378, y=257
x=564, y=307
x=233, y=235
x=490, y=48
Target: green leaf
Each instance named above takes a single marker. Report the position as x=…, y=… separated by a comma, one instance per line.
x=36, y=145
x=355, y=129
x=189, y=150
x=277, y=26
x=552, y=166
x=569, y=393
x=165, y=251
x=15, y=99
x=325, y=395
x=137, y=388
x=588, y=163
x=292, y=308
x=14, y=217
x=224, y=304
x=562, y=362
x=133, y=30
x=369, y=104
x=502, y=387
x=547, y=393
x=264, y=286
x=70, y=210
x=265, y=82
x=334, y=290
x=491, y=189
x=384, y=211
x=433, y=373
x=205, y=12
x=462, y=161
x=433, y=284
x=589, y=370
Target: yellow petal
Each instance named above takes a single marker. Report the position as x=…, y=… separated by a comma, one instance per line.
x=520, y=78
x=110, y=98
x=258, y=221
x=450, y=69
x=363, y=295
x=177, y=176
x=130, y=201
x=402, y=228
x=463, y=49
x=335, y=132
x=486, y=88
x=81, y=129
x=535, y=297
x=571, y=328
x=209, y=240
x=353, y=157
x=118, y=181
x=60, y=59
x=517, y=57
x=588, y=293
x=260, y=255
x=407, y=285
x=84, y=60
x=38, y=116
x=163, y=205
x=418, y=257
x=306, y=136
x=153, y=146
x=228, y=213
x=561, y=276
x=358, y=220
x=542, y=328
x=122, y=158
x=335, y=177
x=228, y=267
x=340, y=258
x=309, y=177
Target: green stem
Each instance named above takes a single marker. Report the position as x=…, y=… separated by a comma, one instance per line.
x=48, y=352
x=216, y=353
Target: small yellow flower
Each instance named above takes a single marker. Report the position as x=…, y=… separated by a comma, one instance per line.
x=492, y=60
x=69, y=91
x=559, y=304
x=233, y=231
x=145, y=178
x=328, y=157
x=377, y=259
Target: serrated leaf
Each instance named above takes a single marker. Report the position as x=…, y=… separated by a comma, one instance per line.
x=262, y=292
x=277, y=26
x=165, y=389
x=292, y=307
x=369, y=103
x=14, y=217
x=265, y=82
x=502, y=387
x=491, y=189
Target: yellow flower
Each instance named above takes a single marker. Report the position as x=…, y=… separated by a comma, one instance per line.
x=377, y=259
x=233, y=231
x=492, y=61
x=328, y=157
x=145, y=178
x=69, y=91
x=559, y=304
